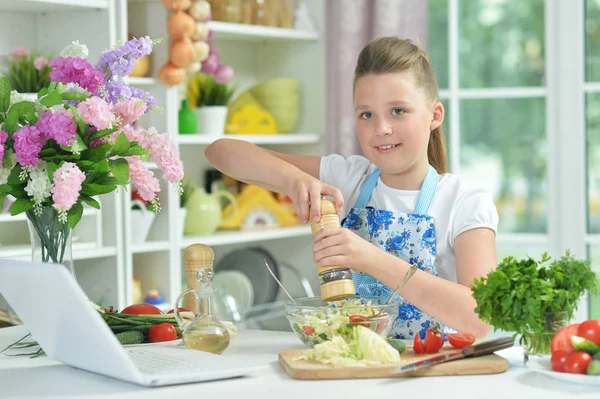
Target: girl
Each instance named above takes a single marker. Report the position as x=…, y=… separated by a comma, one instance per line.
x=398, y=204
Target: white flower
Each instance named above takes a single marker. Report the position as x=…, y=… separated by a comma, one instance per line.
x=74, y=87
x=5, y=172
x=16, y=97
x=75, y=49
x=38, y=187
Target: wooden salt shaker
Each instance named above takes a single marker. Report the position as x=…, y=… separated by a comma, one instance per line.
x=196, y=257
x=336, y=281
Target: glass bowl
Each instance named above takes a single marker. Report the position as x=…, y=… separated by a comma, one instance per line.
x=315, y=321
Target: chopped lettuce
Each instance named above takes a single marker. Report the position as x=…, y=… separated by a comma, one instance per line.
x=361, y=347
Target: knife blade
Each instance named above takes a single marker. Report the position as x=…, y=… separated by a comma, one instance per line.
x=481, y=349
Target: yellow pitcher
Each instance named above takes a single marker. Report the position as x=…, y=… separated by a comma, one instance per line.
x=204, y=213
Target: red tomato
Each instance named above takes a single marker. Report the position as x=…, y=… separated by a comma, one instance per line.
x=460, y=341
x=180, y=310
x=558, y=360
x=434, y=340
x=590, y=330
x=135, y=195
x=141, y=308
x=308, y=330
x=577, y=362
x=562, y=339
x=162, y=332
x=359, y=320
x=418, y=346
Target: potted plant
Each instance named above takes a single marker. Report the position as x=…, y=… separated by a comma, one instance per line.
x=28, y=72
x=209, y=100
x=79, y=141
x=533, y=298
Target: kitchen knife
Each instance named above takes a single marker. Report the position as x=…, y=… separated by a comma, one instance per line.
x=481, y=349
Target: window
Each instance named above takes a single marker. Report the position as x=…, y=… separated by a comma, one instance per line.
x=511, y=76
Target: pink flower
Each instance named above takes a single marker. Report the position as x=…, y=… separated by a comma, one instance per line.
x=67, y=185
x=20, y=52
x=29, y=140
x=76, y=70
x=130, y=110
x=164, y=153
x=143, y=178
x=97, y=112
x=3, y=137
x=59, y=126
x=40, y=63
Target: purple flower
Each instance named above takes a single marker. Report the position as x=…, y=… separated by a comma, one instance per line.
x=59, y=126
x=29, y=141
x=120, y=62
x=117, y=91
x=76, y=70
x=3, y=137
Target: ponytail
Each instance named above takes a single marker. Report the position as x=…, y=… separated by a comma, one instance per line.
x=436, y=150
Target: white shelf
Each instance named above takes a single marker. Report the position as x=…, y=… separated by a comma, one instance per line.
x=282, y=138
x=151, y=165
x=135, y=81
x=150, y=246
x=6, y=217
x=50, y=5
x=242, y=237
x=233, y=31
x=80, y=251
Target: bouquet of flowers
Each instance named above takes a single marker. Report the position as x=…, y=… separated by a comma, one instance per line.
x=79, y=140
x=28, y=72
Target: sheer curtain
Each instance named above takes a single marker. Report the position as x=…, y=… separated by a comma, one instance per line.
x=351, y=24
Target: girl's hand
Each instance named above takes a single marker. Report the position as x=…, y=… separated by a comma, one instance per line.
x=339, y=246
x=304, y=190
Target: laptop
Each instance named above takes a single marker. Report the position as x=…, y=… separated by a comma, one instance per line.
x=63, y=321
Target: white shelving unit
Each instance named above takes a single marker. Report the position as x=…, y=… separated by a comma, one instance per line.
x=256, y=53
x=48, y=26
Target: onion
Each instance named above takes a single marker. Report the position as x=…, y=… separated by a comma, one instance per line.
x=171, y=75
x=201, y=51
x=182, y=52
x=200, y=10
x=200, y=31
x=180, y=24
x=210, y=64
x=177, y=5
x=223, y=74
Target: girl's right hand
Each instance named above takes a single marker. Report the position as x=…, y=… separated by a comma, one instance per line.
x=304, y=190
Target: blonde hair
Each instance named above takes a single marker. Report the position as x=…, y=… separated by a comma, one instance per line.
x=392, y=54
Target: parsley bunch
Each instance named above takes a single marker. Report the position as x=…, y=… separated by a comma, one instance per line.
x=519, y=295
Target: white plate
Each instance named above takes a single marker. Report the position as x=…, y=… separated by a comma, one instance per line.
x=542, y=365
x=238, y=285
x=174, y=342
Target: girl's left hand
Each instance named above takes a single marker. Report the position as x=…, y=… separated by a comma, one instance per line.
x=338, y=246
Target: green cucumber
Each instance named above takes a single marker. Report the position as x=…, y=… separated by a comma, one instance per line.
x=131, y=337
x=397, y=344
x=585, y=345
x=594, y=367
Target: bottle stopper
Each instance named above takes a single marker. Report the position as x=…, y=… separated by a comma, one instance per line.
x=196, y=257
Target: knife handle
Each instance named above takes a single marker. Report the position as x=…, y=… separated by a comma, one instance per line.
x=488, y=347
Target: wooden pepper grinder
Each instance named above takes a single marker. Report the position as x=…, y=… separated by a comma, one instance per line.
x=196, y=257
x=336, y=281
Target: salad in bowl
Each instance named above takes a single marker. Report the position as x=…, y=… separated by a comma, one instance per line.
x=315, y=321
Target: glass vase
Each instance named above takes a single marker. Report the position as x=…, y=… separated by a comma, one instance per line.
x=538, y=343
x=50, y=237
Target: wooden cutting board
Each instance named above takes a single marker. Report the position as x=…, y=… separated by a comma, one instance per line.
x=309, y=370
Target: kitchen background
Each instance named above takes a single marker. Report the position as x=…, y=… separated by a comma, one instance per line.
x=520, y=81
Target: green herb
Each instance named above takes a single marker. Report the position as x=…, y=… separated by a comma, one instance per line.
x=521, y=295
x=28, y=72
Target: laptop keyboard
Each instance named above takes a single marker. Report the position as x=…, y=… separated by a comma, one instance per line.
x=158, y=363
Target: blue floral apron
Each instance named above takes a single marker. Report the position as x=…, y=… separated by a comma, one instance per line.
x=410, y=237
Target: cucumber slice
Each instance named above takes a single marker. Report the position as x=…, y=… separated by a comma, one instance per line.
x=397, y=344
x=131, y=337
x=594, y=367
x=585, y=345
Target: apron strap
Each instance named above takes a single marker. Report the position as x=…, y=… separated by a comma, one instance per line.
x=428, y=189
x=367, y=189
x=427, y=192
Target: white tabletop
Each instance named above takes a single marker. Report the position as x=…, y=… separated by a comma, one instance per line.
x=42, y=377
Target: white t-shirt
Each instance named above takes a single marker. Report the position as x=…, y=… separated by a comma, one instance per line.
x=456, y=206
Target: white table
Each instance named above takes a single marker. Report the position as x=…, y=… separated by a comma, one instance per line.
x=42, y=377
